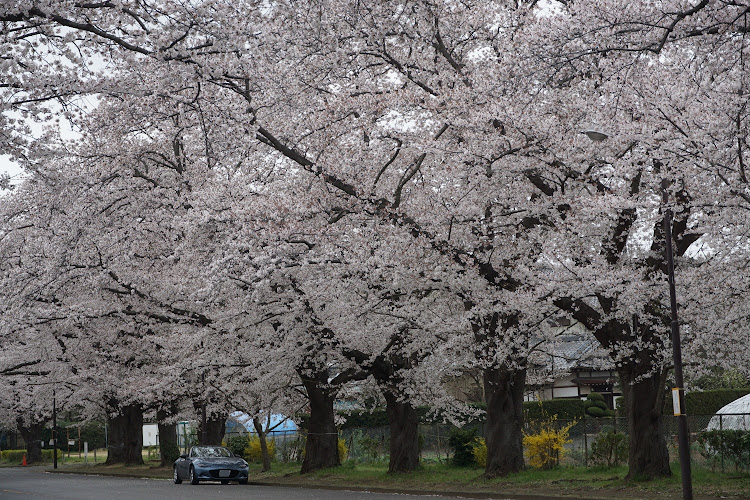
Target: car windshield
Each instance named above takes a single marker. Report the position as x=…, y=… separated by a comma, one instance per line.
x=210, y=451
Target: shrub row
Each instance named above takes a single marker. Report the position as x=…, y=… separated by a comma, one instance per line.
x=565, y=409
x=732, y=446
x=378, y=417
x=697, y=403
x=709, y=402
x=14, y=456
x=705, y=402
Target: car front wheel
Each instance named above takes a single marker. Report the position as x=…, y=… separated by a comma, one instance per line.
x=176, y=477
x=242, y=481
x=193, y=476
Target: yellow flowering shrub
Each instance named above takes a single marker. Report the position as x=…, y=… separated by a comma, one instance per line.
x=546, y=448
x=343, y=450
x=480, y=452
x=252, y=450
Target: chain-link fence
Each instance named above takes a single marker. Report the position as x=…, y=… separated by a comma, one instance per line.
x=287, y=445
x=720, y=442
x=74, y=441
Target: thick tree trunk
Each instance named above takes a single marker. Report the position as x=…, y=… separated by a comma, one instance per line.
x=644, y=391
x=503, y=388
x=32, y=434
x=168, y=447
x=126, y=436
x=215, y=430
x=322, y=446
x=648, y=457
x=263, y=444
x=404, y=426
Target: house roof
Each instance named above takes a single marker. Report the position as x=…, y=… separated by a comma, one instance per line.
x=573, y=351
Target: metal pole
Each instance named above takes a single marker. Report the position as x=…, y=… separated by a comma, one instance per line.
x=204, y=431
x=721, y=440
x=678, y=391
x=585, y=443
x=54, y=430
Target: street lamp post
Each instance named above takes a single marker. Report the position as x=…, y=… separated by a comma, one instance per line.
x=678, y=393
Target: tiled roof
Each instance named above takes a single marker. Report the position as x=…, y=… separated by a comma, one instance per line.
x=574, y=351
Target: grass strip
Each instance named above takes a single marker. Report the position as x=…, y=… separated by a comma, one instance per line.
x=562, y=482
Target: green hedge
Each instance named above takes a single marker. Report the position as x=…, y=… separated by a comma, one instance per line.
x=705, y=402
x=14, y=456
x=365, y=418
x=375, y=418
x=47, y=454
x=709, y=402
x=565, y=409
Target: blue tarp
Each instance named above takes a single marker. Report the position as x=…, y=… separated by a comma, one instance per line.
x=280, y=424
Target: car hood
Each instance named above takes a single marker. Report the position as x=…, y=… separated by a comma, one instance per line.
x=220, y=462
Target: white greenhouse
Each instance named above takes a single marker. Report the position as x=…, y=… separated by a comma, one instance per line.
x=734, y=416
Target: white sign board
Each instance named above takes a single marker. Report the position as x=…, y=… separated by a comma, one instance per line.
x=676, y=402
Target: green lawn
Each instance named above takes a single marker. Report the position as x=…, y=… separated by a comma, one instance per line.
x=565, y=481
x=575, y=482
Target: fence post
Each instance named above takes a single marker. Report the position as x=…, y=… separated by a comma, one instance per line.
x=614, y=423
x=721, y=440
x=585, y=443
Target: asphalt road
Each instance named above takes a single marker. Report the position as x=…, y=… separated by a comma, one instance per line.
x=34, y=483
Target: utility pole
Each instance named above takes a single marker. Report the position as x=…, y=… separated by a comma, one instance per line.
x=678, y=393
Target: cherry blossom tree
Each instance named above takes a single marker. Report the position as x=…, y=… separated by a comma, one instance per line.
x=35, y=350
x=660, y=90
x=453, y=127
x=439, y=182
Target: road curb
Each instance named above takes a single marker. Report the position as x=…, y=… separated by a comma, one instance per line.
x=108, y=474
x=498, y=495
x=450, y=493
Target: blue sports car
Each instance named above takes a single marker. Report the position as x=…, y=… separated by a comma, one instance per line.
x=210, y=463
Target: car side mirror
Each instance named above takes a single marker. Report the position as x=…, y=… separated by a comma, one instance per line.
x=183, y=456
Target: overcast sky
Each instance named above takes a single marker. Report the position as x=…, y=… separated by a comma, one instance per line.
x=8, y=166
